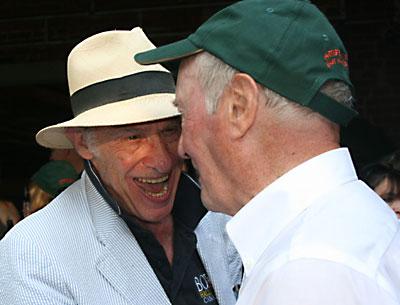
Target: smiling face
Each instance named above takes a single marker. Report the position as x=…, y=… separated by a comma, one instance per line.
x=139, y=165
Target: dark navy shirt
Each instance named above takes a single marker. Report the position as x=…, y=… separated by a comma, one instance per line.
x=186, y=281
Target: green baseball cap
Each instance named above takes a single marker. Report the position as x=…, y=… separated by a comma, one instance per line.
x=54, y=176
x=286, y=45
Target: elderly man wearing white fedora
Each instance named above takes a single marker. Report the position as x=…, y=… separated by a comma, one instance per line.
x=132, y=230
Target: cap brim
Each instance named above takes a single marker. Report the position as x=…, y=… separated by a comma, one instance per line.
x=170, y=52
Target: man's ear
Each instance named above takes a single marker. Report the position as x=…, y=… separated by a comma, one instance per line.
x=76, y=137
x=241, y=100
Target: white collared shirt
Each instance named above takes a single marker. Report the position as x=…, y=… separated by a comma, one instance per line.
x=317, y=235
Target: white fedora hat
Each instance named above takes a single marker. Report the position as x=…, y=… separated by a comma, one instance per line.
x=108, y=87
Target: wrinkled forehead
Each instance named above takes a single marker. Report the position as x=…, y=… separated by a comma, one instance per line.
x=188, y=82
x=144, y=126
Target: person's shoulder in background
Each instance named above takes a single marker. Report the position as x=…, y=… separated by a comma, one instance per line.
x=9, y=216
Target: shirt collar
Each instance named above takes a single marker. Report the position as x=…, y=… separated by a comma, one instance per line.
x=95, y=179
x=271, y=210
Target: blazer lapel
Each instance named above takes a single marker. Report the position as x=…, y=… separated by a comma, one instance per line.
x=121, y=261
x=124, y=266
x=219, y=257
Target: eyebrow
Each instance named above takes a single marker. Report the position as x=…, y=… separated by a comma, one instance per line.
x=145, y=129
x=172, y=124
x=131, y=129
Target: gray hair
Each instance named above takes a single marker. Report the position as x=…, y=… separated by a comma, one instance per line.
x=215, y=75
x=90, y=138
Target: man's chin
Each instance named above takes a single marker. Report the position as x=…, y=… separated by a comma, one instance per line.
x=215, y=206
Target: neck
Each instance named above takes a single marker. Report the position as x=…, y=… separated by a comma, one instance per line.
x=268, y=158
x=164, y=233
x=163, y=230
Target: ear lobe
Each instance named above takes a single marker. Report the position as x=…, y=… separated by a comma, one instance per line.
x=242, y=105
x=75, y=135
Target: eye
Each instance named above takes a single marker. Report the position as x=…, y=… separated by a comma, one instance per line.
x=134, y=137
x=171, y=133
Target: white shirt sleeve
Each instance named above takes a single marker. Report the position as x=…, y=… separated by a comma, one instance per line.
x=314, y=282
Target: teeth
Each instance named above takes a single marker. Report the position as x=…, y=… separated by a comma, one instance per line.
x=160, y=194
x=153, y=180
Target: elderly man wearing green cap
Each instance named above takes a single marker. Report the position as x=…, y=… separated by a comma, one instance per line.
x=132, y=230
x=50, y=180
x=263, y=88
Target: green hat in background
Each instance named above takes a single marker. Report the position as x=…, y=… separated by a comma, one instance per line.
x=286, y=45
x=55, y=176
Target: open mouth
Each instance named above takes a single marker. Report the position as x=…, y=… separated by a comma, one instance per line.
x=156, y=188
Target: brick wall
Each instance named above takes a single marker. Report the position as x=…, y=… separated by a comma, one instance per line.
x=37, y=31
x=372, y=35
x=49, y=29
x=46, y=30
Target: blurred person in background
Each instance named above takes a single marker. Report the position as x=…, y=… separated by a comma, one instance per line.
x=384, y=178
x=69, y=155
x=9, y=216
x=393, y=160
x=49, y=181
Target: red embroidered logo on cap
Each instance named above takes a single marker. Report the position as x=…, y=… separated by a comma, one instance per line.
x=65, y=181
x=335, y=56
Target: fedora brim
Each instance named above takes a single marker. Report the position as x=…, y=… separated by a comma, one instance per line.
x=132, y=111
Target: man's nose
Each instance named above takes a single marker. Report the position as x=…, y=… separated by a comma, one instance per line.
x=181, y=150
x=159, y=156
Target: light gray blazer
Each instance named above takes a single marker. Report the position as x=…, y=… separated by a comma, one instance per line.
x=77, y=250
